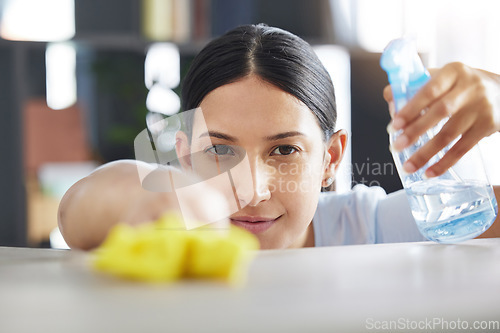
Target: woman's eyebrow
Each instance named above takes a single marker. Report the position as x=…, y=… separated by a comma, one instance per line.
x=230, y=138
x=284, y=135
x=219, y=136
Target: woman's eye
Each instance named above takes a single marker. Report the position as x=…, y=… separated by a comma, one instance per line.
x=284, y=150
x=220, y=150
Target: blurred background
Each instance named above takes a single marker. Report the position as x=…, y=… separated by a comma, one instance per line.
x=79, y=77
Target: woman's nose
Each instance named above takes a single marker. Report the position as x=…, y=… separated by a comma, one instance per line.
x=252, y=182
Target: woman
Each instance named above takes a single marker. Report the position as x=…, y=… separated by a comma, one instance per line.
x=266, y=99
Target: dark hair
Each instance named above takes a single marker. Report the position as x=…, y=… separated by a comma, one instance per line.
x=276, y=56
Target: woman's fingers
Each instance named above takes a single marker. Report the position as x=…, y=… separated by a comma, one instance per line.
x=459, y=149
x=460, y=123
x=446, y=106
x=387, y=93
x=471, y=100
x=438, y=85
x=465, y=96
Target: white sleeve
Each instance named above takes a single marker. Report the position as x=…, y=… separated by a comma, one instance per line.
x=365, y=215
x=394, y=220
x=347, y=218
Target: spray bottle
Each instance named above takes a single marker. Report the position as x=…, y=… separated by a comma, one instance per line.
x=453, y=207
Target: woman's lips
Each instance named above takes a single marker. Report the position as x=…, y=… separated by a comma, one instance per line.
x=254, y=224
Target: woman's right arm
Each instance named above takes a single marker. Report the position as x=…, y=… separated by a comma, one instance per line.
x=99, y=201
x=114, y=193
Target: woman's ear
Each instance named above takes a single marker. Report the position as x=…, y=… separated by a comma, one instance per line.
x=335, y=151
x=183, y=150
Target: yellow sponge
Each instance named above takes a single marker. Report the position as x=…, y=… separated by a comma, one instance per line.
x=220, y=256
x=164, y=251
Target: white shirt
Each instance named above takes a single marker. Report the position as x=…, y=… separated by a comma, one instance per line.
x=364, y=215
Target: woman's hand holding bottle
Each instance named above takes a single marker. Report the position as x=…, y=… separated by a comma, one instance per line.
x=470, y=97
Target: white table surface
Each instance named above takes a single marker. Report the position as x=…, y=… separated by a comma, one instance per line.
x=331, y=289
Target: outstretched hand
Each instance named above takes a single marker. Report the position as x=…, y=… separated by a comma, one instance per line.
x=470, y=97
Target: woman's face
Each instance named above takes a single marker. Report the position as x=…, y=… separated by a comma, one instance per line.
x=272, y=147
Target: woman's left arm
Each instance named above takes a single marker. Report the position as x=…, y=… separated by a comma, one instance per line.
x=470, y=97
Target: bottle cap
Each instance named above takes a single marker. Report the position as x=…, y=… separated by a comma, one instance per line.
x=404, y=68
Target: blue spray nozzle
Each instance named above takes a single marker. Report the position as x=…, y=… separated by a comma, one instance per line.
x=400, y=59
x=405, y=70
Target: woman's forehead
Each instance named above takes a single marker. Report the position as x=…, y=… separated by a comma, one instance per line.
x=254, y=103
x=250, y=91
